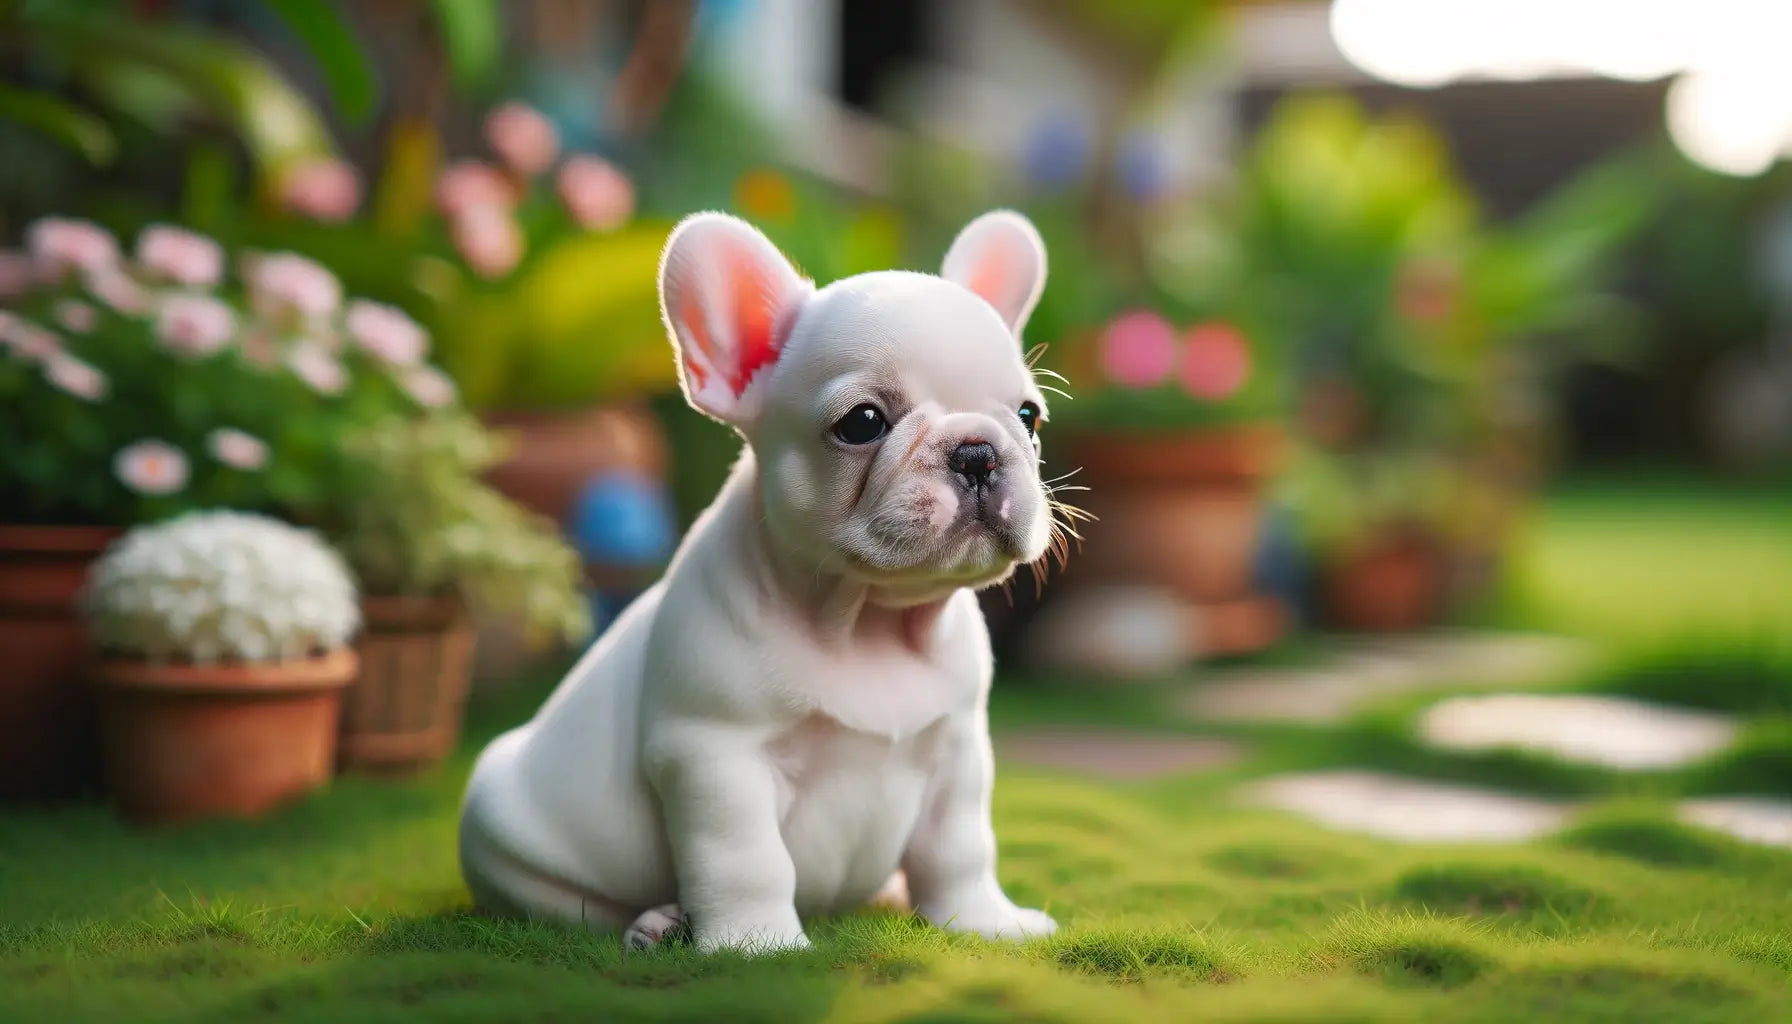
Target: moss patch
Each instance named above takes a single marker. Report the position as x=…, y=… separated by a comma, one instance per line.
x=1496, y=889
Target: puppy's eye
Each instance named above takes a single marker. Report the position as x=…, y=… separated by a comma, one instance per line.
x=863, y=425
x=1029, y=417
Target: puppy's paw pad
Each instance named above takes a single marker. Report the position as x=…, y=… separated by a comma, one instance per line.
x=657, y=926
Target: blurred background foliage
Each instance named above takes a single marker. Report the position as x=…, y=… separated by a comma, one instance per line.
x=1336, y=273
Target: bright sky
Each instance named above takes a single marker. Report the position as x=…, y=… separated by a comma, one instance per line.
x=1729, y=107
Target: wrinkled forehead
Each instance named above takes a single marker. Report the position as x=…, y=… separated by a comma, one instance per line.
x=928, y=338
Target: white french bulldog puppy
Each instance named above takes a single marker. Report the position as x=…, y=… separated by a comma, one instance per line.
x=793, y=719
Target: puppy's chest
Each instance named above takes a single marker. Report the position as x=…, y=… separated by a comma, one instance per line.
x=848, y=802
x=882, y=690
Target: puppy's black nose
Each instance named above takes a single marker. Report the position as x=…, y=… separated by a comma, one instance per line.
x=973, y=461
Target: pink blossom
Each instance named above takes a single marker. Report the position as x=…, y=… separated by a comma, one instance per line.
x=80, y=379
x=488, y=239
x=597, y=195
x=259, y=347
x=27, y=340
x=175, y=254
x=151, y=467
x=17, y=274
x=76, y=316
x=1216, y=361
x=428, y=386
x=318, y=368
x=286, y=283
x=322, y=188
x=468, y=184
x=237, y=449
x=522, y=138
x=1138, y=349
x=386, y=332
x=59, y=245
x=195, y=325
x=116, y=289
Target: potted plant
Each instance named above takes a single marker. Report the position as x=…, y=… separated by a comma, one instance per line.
x=1419, y=340
x=222, y=650
x=135, y=389
x=1378, y=527
x=430, y=540
x=532, y=273
x=1175, y=433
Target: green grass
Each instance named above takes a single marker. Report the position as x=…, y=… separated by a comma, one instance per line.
x=1177, y=903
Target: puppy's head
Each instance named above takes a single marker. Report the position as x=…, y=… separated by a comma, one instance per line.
x=892, y=414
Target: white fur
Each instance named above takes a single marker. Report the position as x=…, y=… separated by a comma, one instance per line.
x=797, y=710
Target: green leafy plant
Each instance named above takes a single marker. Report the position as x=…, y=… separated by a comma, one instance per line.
x=424, y=522
x=532, y=271
x=139, y=388
x=142, y=388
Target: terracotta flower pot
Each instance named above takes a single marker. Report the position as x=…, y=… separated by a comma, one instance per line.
x=189, y=741
x=404, y=710
x=1393, y=583
x=47, y=743
x=1180, y=510
x=557, y=453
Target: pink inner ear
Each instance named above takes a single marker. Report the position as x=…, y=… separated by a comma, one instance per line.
x=755, y=316
x=996, y=275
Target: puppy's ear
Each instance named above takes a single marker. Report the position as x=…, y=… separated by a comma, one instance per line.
x=728, y=298
x=1001, y=258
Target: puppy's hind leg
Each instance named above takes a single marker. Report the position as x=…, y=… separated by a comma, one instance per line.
x=503, y=887
x=661, y=924
x=894, y=894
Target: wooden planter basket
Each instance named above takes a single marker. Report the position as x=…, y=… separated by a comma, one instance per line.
x=404, y=711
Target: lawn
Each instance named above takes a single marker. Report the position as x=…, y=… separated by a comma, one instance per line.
x=1177, y=901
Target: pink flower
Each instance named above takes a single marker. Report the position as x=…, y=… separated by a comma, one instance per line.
x=1138, y=349
x=522, y=138
x=597, y=195
x=27, y=340
x=1216, y=361
x=260, y=348
x=468, y=184
x=175, y=254
x=237, y=449
x=17, y=274
x=195, y=325
x=322, y=188
x=318, y=368
x=59, y=245
x=386, y=332
x=116, y=289
x=488, y=239
x=151, y=467
x=285, y=283
x=76, y=377
x=428, y=386
x=76, y=316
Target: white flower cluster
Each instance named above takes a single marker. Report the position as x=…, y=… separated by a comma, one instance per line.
x=220, y=586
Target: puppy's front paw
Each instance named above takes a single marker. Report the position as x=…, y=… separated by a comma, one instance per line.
x=1007, y=922
x=751, y=940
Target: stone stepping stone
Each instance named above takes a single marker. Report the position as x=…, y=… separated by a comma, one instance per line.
x=1408, y=809
x=1616, y=732
x=1116, y=754
x=1364, y=668
x=1752, y=819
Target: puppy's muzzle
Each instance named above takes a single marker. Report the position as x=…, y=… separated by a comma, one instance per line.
x=973, y=461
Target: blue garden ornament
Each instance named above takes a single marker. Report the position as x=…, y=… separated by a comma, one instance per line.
x=1057, y=151
x=623, y=520
x=1141, y=167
